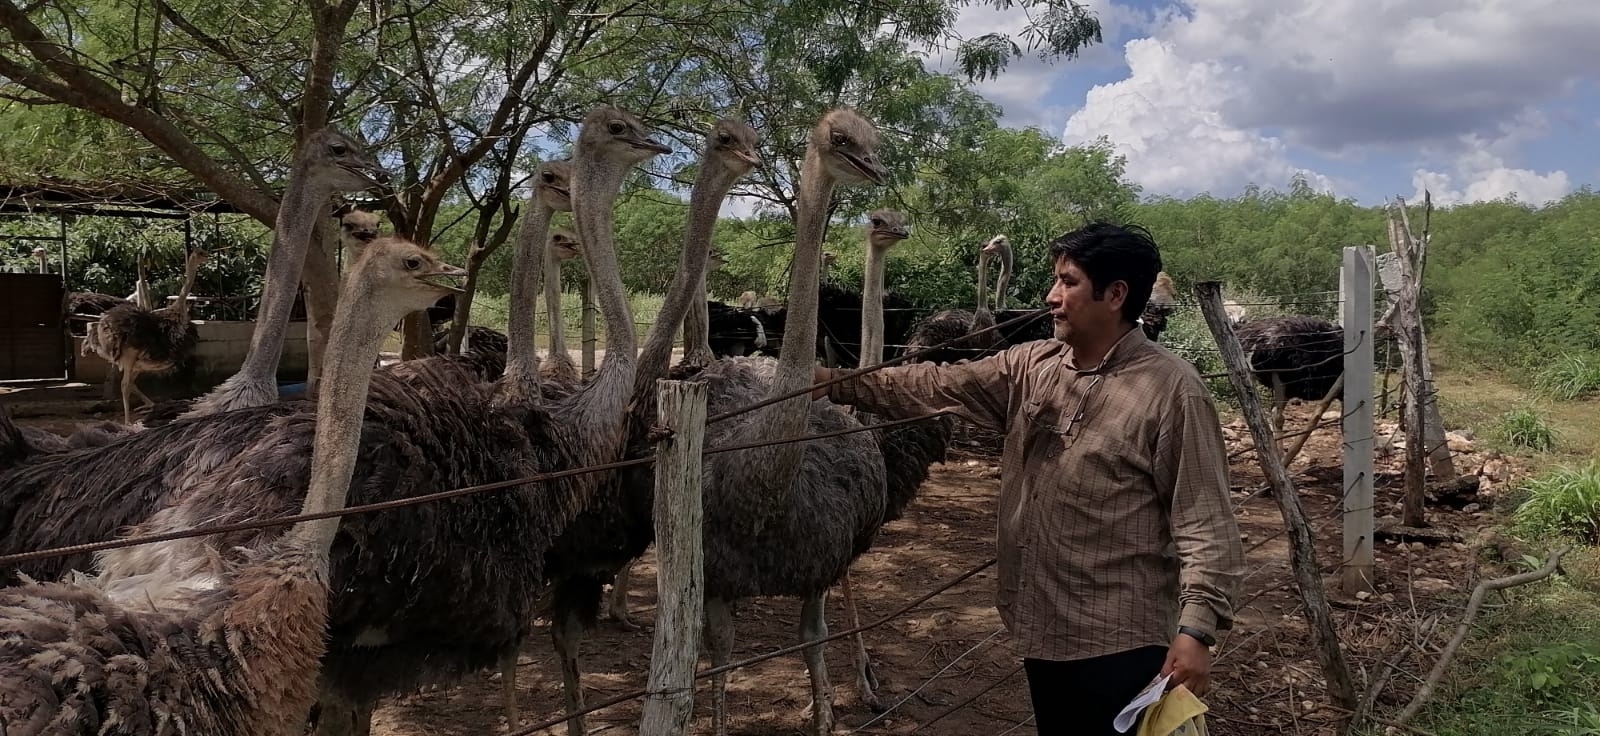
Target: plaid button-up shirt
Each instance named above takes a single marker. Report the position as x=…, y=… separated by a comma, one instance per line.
x=1115, y=525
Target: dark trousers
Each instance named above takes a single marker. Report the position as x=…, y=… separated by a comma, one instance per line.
x=1081, y=697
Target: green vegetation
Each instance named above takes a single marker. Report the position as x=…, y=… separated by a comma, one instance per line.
x=1563, y=502
x=1526, y=429
x=1572, y=376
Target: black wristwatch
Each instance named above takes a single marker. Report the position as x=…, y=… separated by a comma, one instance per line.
x=1202, y=636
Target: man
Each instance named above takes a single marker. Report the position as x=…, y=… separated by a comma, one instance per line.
x=1118, y=551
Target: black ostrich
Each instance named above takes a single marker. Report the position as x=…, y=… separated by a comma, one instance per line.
x=1296, y=357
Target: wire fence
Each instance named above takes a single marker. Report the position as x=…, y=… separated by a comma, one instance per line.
x=1321, y=342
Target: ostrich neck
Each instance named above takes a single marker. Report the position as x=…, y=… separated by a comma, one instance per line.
x=983, y=283
x=357, y=334
x=872, y=308
x=297, y=216
x=798, y=354
x=705, y=201
x=527, y=267
x=594, y=194
x=1005, y=283
x=181, y=309
x=552, y=302
x=697, y=321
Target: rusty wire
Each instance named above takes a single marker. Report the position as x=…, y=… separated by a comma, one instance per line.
x=840, y=376
x=625, y=697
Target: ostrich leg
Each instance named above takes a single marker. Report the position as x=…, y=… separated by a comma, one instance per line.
x=814, y=626
x=719, y=638
x=341, y=715
x=866, y=679
x=508, y=685
x=128, y=374
x=566, y=631
x=617, y=601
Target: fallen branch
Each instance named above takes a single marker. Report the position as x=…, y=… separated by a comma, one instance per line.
x=1478, y=593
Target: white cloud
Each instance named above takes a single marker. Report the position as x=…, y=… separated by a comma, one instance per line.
x=1166, y=118
x=1481, y=173
x=1223, y=90
x=1021, y=90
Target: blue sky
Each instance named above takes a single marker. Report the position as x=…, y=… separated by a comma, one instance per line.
x=1475, y=99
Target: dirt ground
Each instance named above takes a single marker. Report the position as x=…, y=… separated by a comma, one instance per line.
x=948, y=663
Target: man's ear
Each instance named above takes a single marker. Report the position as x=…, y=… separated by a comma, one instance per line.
x=1116, y=294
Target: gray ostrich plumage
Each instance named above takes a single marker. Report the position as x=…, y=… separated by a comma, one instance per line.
x=138, y=340
x=232, y=650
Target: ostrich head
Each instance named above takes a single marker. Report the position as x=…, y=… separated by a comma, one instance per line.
x=849, y=148
x=1164, y=293
x=994, y=246
x=887, y=227
x=565, y=245
x=734, y=142
x=358, y=226
x=401, y=277
x=554, y=185
x=342, y=162
x=618, y=136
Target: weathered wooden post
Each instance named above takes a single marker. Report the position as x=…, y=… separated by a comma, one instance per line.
x=586, y=359
x=1303, y=552
x=1356, y=299
x=680, y=573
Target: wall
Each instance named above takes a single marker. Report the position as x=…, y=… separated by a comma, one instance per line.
x=220, y=352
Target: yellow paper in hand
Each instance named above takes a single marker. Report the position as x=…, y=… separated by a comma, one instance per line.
x=1177, y=713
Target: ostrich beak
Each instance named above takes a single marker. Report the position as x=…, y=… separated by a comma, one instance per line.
x=445, y=271
x=649, y=144
x=869, y=167
x=748, y=157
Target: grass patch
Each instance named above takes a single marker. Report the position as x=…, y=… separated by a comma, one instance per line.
x=1564, y=502
x=1569, y=378
x=1526, y=428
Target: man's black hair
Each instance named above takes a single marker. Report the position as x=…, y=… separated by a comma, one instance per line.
x=1107, y=253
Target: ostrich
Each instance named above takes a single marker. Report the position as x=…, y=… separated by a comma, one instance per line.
x=235, y=652
x=617, y=528
x=139, y=340
x=328, y=161
x=957, y=326
x=788, y=519
x=1296, y=357
x=558, y=366
x=908, y=449
x=357, y=227
x=999, y=247
x=1163, y=299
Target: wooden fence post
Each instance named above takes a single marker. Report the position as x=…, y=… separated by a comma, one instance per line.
x=680, y=573
x=586, y=357
x=1356, y=300
x=1303, y=552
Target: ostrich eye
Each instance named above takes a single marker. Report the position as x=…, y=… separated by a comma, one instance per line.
x=724, y=138
x=616, y=127
x=338, y=149
x=413, y=263
x=877, y=222
x=549, y=178
x=840, y=139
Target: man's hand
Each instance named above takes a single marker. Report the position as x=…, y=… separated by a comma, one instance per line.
x=1189, y=662
x=818, y=375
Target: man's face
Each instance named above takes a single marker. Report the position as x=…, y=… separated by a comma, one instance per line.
x=1076, y=313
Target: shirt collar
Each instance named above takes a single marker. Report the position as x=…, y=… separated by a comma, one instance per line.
x=1122, y=349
